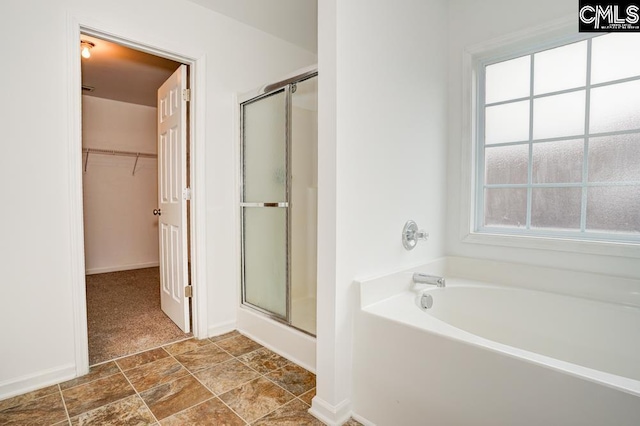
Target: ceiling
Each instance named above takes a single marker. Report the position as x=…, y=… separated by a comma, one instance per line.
x=295, y=21
x=123, y=74
x=128, y=75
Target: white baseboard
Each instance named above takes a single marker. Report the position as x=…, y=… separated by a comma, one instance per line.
x=329, y=414
x=221, y=328
x=41, y=379
x=118, y=268
x=360, y=419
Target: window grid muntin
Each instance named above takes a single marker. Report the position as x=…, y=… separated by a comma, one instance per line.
x=530, y=165
x=567, y=138
x=582, y=233
x=585, y=152
x=565, y=91
x=560, y=185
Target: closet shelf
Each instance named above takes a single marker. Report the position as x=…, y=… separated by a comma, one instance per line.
x=116, y=152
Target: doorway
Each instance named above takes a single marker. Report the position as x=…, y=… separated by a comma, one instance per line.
x=127, y=173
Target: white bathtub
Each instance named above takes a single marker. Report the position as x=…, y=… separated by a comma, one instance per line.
x=487, y=354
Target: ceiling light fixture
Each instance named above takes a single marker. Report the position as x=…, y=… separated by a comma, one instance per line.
x=85, y=48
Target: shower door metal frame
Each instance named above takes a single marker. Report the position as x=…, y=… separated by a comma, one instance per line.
x=264, y=92
x=287, y=204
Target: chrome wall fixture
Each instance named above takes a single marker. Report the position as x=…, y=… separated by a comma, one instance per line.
x=411, y=235
x=420, y=278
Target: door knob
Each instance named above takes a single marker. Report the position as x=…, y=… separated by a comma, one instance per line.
x=157, y=212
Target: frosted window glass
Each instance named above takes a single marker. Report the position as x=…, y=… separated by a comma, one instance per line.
x=507, y=123
x=264, y=145
x=561, y=68
x=613, y=208
x=506, y=164
x=559, y=115
x=615, y=56
x=505, y=207
x=558, y=162
x=265, y=258
x=614, y=158
x=508, y=80
x=615, y=107
x=557, y=208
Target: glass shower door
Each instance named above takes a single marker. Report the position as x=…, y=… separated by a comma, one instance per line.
x=265, y=204
x=303, y=203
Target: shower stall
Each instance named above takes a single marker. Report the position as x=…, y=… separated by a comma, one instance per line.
x=278, y=201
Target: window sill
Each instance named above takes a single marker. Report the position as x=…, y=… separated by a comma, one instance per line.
x=606, y=248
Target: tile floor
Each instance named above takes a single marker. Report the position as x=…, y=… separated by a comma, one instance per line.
x=225, y=380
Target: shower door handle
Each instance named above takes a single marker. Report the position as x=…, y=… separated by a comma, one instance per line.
x=282, y=204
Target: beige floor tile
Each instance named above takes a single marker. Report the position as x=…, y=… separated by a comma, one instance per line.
x=308, y=396
x=27, y=397
x=95, y=372
x=228, y=335
x=204, y=357
x=47, y=410
x=134, y=361
x=155, y=373
x=170, y=398
x=186, y=346
x=293, y=378
x=263, y=360
x=256, y=398
x=226, y=376
x=292, y=414
x=238, y=345
x=210, y=413
x=128, y=411
x=90, y=396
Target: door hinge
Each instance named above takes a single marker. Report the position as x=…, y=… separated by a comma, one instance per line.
x=186, y=194
x=188, y=291
x=186, y=95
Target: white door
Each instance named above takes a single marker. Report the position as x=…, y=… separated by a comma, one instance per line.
x=172, y=179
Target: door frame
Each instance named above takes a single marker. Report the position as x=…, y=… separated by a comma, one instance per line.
x=154, y=44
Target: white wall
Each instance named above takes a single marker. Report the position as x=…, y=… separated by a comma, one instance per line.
x=291, y=20
x=382, y=157
x=472, y=22
x=120, y=231
x=36, y=265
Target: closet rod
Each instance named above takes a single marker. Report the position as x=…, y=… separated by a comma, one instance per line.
x=115, y=152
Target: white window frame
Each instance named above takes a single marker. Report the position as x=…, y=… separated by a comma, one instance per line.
x=475, y=57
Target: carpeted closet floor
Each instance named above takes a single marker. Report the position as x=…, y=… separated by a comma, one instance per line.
x=124, y=315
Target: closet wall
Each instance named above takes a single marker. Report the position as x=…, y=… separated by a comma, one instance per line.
x=121, y=231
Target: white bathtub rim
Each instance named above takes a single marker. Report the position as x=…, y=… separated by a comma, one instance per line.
x=443, y=329
x=620, y=289
x=467, y=282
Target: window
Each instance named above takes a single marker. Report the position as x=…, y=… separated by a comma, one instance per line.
x=559, y=142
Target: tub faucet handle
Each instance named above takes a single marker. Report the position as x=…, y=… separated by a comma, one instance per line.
x=411, y=235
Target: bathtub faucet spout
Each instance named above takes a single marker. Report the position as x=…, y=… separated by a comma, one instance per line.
x=420, y=278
